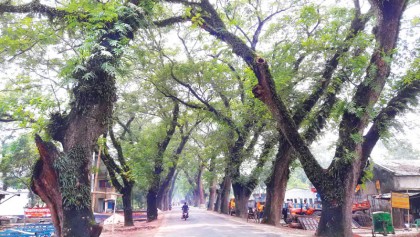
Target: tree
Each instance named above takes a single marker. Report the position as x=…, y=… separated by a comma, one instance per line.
x=164, y=195
x=197, y=80
x=93, y=73
x=336, y=184
x=17, y=160
x=327, y=88
x=125, y=186
x=152, y=201
x=67, y=172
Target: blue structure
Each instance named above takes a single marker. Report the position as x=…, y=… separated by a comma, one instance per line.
x=29, y=230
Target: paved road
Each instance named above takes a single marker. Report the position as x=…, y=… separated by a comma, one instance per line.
x=204, y=224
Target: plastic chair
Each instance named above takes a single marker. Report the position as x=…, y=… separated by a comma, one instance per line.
x=416, y=224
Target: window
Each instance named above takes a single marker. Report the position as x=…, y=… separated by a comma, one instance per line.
x=104, y=184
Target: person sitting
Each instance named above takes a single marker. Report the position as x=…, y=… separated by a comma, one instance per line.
x=185, y=209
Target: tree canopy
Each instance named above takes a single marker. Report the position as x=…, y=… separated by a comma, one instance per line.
x=190, y=96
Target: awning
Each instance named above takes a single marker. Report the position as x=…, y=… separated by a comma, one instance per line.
x=388, y=195
x=5, y=193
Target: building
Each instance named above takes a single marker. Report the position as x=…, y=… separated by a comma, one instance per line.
x=400, y=176
x=104, y=195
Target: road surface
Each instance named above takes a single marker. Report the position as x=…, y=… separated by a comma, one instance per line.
x=202, y=223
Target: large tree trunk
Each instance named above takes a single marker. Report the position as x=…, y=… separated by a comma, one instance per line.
x=242, y=194
x=199, y=188
x=224, y=195
x=213, y=184
x=212, y=194
x=71, y=208
x=128, y=209
x=165, y=200
x=164, y=187
x=172, y=188
x=217, y=205
x=78, y=133
x=276, y=186
x=152, y=211
x=337, y=200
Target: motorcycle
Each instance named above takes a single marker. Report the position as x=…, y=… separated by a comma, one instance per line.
x=184, y=215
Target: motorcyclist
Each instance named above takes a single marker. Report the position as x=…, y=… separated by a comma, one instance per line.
x=185, y=209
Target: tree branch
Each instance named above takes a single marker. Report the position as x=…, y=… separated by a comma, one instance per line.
x=112, y=168
x=397, y=105
x=206, y=104
x=261, y=25
x=368, y=91
x=34, y=6
x=126, y=127
x=357, y=25
x=170, y=21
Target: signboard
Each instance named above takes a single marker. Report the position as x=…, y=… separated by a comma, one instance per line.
x=400, y=200
x=37, y=212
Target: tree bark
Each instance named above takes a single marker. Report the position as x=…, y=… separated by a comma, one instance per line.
x=152, y=199
x=336, y=218
x=346, y=173
x=224, y=195
x=217, y=205
x=172, y=188
x=152, y=210
x=276, y=185
x=199, y=187
x=242, y=194
x=164, y=190
x=166, y=183
x=127, y=205
x=212, y=194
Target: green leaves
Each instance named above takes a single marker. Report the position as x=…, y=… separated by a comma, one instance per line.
x=75, y=194
x=309, y=15
x=17, y=158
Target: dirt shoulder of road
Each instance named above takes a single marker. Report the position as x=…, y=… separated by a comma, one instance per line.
x=361, y=232
x=140, y=228
x=276, y=229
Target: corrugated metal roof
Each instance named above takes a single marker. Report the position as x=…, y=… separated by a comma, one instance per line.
x=401, y=167
x=388, y=195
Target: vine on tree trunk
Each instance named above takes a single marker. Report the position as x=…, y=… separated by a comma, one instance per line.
x=75, y=193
